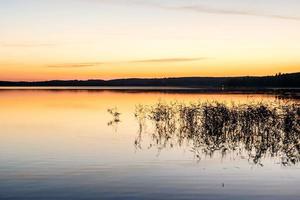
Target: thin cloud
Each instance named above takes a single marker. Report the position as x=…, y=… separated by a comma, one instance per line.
x=167, y=60
x=76, y=65
x=25, y=45
x=95, y=64
x=202, y=9
x=205, y=9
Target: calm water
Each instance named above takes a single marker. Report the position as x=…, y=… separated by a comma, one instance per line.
x=60, y=144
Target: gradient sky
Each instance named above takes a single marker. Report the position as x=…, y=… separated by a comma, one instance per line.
x=82, y=39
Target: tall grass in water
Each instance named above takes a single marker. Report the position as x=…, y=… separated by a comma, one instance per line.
x=116, y=118
x=257, y=129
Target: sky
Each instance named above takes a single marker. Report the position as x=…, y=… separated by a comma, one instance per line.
x=106, y=39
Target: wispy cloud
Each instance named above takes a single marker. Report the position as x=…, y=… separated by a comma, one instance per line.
x=168, y=60
x=26, y=45
x=212, y=10
x=76, y=65
x=95, y=64
x=202, y=8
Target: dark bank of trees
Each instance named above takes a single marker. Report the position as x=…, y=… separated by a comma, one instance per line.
x=278, y=81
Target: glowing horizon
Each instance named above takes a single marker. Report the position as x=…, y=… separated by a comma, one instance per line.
x=107, y=39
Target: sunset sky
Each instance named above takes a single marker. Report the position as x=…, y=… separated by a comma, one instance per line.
x=87, y=39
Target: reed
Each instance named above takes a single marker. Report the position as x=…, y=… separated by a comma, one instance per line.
x=257, y=129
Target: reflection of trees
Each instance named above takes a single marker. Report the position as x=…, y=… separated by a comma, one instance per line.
x=258, y=130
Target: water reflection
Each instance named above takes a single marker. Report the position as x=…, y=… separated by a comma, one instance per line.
x=57, y=145
x=255, y=131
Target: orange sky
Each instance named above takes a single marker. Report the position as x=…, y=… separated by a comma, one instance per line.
x=76, y=39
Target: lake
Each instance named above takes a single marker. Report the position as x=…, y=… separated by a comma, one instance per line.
x=64, y=144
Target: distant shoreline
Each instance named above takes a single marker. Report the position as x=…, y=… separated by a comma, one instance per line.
x=280, y=81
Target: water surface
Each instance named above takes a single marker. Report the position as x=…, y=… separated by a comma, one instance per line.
x=60, y=144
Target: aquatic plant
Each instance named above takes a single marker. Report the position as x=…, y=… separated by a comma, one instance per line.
x=257, y=129
x=116, y=117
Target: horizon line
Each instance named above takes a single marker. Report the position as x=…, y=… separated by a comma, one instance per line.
x=148, y=78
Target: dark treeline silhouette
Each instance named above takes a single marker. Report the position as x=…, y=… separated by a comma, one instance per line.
x=278, y=81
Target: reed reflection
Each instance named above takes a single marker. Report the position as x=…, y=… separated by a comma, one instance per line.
x=254, y=130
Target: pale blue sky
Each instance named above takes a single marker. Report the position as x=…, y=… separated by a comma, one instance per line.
x=51, y=17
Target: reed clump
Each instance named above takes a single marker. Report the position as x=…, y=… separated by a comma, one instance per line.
x=115, y=117
x=257, y=129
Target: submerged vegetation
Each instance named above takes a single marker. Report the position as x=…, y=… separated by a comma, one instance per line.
x=256, y=130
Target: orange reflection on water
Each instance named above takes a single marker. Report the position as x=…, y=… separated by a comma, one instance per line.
x=69, y=128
